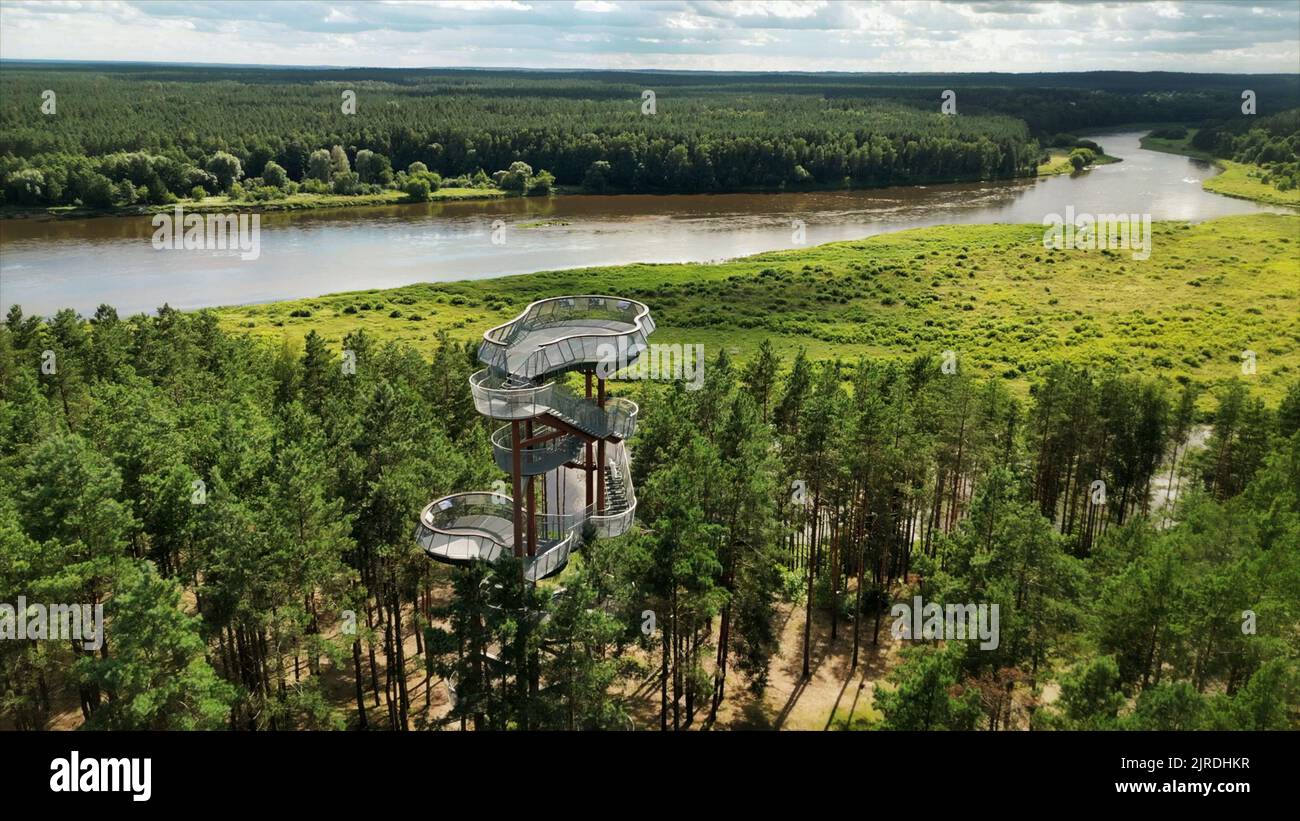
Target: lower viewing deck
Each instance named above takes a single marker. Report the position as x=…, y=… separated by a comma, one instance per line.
x=466, y=527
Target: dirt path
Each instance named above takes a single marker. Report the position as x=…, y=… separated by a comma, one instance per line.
x=833, y=696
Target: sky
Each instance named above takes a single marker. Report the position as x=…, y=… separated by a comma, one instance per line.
x=745, y=35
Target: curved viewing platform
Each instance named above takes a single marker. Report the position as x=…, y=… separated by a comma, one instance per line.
x=465, y=527
x=566, y=333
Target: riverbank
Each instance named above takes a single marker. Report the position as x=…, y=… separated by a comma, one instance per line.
x=1058, y=163
x=306, y=202
x=991, y=293
x=221, y=204
x=1240, y=180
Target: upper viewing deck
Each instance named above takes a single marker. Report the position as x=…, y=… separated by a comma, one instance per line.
x=565, y=333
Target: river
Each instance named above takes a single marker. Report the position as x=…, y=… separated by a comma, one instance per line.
x=52, y=264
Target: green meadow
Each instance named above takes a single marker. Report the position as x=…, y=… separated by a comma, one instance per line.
x=1058, y=162
x=992, y=293
x=1245, y=181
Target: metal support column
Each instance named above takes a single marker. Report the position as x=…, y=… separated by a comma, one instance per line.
x=532, y=506
x=516, y=469
x=587, y=464
x=600, y=456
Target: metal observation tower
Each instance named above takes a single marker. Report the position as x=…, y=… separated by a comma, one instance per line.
x=574, y=444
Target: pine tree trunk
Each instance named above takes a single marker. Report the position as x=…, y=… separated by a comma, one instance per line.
x=663, y=680
x=812, y=573
x=361, y=697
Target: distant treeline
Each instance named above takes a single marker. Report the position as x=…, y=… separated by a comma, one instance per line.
x=707, y=132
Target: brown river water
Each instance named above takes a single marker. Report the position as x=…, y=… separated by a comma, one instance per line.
x=47, y=265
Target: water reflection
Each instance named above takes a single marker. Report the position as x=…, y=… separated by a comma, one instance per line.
x=82, y=263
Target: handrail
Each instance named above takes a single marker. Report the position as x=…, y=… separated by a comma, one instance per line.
x=642, y=314
x=554, y=530
x=439, y=518
x=617, y=419
x=494, y=350
x=616, y=524
x=539, y=458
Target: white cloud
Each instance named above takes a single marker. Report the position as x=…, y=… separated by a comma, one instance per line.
x=781, y=9
x=760, y=35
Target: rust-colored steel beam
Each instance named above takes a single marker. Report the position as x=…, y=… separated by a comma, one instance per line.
x=587, y=464
x=517, y=470
x=532, y=503
x=600, y=455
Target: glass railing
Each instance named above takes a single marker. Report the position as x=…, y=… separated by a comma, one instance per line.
x=629, y=324
x=502, y=398
x=557, y=533
x=480, y=526
x=540, y=458
x=581, y=413
x=466, y=526
x=618, y=522
x=622, y=416
x=551, y=561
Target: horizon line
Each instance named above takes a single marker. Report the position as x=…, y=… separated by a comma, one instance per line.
x=561, y=69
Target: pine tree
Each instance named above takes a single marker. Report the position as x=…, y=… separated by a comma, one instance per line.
x=158, y=673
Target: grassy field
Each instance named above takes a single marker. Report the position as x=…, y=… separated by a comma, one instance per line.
x=1183, y=146
x=992, y=293
x=1243, y=181
x=1238, y=180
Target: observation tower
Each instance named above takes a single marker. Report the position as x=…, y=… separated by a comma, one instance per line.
x=565, y=454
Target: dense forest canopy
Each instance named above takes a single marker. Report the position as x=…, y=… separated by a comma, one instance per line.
x=166, y=130
x=917, y=482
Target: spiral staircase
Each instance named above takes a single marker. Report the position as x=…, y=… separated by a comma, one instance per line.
x=570, y=445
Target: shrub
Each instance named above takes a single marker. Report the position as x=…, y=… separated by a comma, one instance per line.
x=274, y=175
x=417, y=189
x=346, y=183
